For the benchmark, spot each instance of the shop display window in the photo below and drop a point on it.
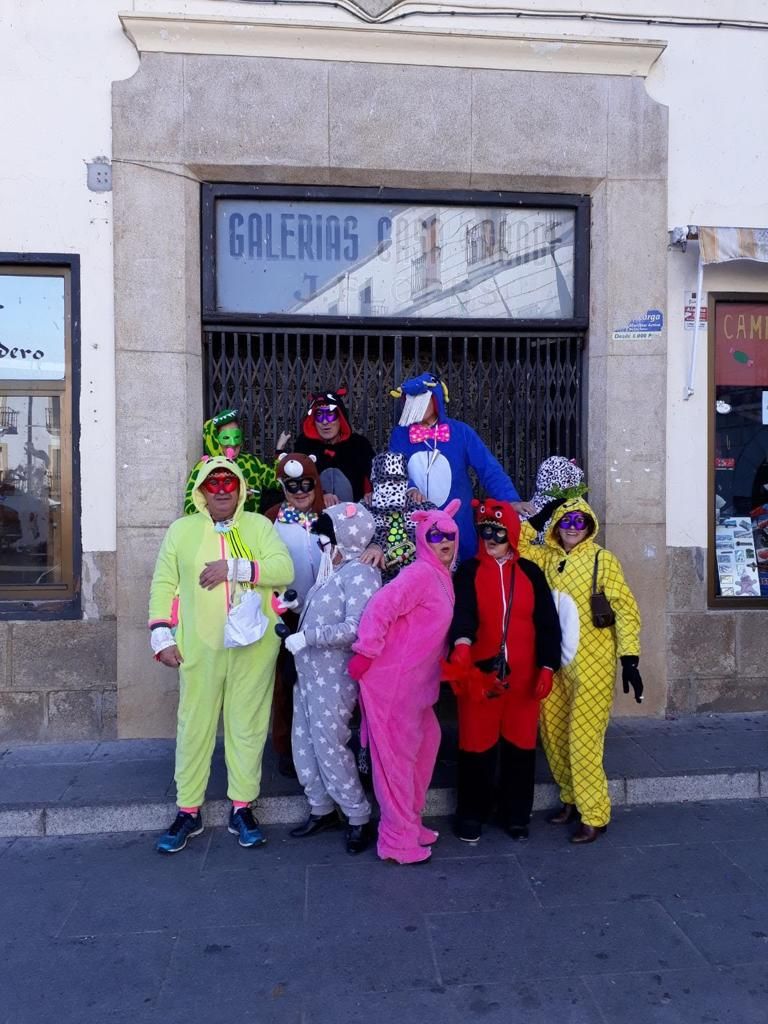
(739, 450)
(37, 507)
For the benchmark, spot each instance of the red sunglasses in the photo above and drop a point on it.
(221, 484)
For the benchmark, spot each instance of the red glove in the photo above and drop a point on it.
(358, 666)
(543, 685)
(461, 656)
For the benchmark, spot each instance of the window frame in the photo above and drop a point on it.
(714, 600)
(579, 204)
(62, 600)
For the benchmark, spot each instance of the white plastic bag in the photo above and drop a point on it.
(246, 622)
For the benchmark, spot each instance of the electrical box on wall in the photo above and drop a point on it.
(99, 175)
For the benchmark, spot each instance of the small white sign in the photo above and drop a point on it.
(689, 312)
(765, 408)
(32, 327)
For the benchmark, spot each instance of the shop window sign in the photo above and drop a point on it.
(326, 258)
(32, 328)
(740, 456)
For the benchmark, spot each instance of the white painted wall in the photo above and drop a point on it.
(57, 61)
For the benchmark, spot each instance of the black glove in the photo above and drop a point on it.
(539, 520)
(631, 677)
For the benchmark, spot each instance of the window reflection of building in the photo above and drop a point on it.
(425, 269)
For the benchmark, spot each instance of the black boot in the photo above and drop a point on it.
(358, 838)
(316, 823)
(516, 784)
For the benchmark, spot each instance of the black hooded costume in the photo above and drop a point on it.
(350, 454)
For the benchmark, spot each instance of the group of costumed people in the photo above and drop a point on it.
(368, 581)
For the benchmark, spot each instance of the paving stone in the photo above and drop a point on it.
(133, 750)
(355, 952)
(462, 884)
(128, 816)
(654, 824)
(151, 900)
(705, 749)
(625, 757)
(114, 781)
(729, 930)
(570, 878)
(86, 975)
(679, 788)
(727, 996)
(39, 909)
(565, 1001)
(50, 753)
(22, 821)
(88, 858)
(34, 784)
(749, 855)
(414, 1006)
(557, 942)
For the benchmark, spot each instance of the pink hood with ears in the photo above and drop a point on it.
(441, 519)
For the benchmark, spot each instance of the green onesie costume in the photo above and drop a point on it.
(239, 679)
(259, 476)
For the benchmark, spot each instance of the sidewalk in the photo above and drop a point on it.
(127, 785)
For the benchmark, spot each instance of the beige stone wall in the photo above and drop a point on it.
(183, 119)
(58, 680)
(717, 659)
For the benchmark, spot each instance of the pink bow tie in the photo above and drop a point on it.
(417, 433)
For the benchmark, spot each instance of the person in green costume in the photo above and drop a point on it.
(211, 560)
(223, 435)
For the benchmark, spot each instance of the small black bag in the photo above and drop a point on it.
(603, 615)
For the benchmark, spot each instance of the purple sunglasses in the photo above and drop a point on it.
(435, 536)
(573, 521)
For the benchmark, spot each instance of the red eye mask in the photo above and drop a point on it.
(221, 484)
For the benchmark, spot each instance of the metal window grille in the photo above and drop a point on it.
(521, 393)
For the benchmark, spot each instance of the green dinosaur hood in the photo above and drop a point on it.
(208, 467)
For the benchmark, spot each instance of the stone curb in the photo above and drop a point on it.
(148, 816)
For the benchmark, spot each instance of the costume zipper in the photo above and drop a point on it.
(500, 566)
(226, 582)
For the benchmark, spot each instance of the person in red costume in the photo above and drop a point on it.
(401, 638)
(506, 647)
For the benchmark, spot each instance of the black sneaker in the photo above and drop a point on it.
(184, 827)
(468, 830)
(517, 832)
(243, 825)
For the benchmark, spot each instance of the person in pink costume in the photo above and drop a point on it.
(401, 638)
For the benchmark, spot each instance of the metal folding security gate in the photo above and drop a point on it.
(521, 393)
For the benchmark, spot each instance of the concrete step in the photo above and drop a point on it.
(127, 785)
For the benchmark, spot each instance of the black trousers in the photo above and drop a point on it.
(479, 792)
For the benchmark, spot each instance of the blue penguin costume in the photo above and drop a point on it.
(439, 458)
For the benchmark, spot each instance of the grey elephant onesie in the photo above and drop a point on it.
(325, 695)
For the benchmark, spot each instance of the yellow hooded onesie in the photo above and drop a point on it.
(574, 717)
(239, 679)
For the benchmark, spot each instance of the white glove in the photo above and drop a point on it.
(160, 638)
(240, 569)
(295, 642)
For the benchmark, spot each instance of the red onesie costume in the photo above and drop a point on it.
(505, 609)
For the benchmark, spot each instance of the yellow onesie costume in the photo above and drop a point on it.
(574, 717)
(239, 679)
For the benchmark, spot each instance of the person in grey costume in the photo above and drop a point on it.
(325, 696)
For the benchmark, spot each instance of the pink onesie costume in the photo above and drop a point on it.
(404, 632)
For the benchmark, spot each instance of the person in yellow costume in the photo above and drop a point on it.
(574, 718)
(212, 560)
